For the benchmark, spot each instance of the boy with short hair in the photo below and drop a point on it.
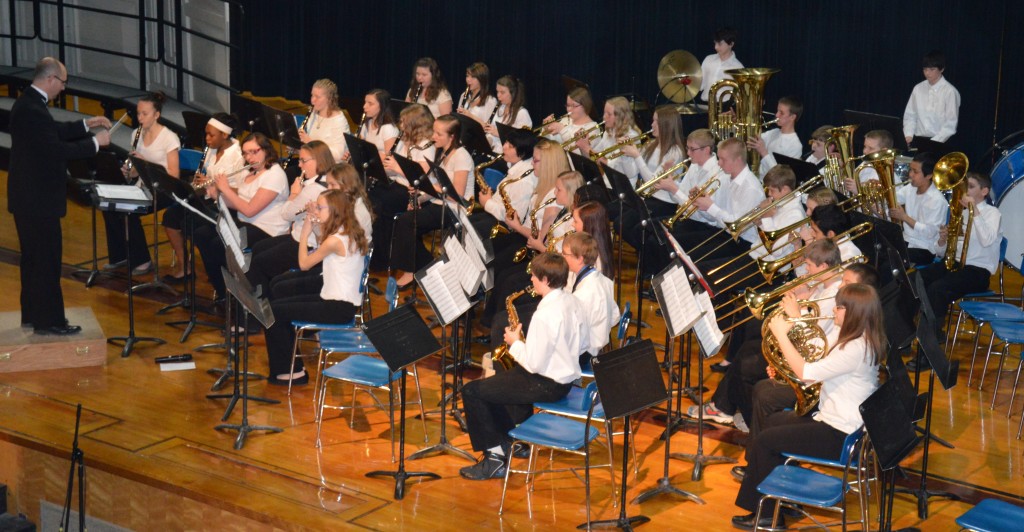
(714, 66)
(923, 209)
(595, 292)
(875, 141)
(783, 139)
(934, 106)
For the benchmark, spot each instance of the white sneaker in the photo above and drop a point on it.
(487, 365)
(711, 413)
(737, 420)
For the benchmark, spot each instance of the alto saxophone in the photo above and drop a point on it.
(501, 355)
(551, 239)
(522, 252)
(510, 210)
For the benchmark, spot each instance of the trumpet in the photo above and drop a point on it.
(541, 127)
(646, 190)
(201, 184)
(583, 133)
(686, 210)
(610, 153)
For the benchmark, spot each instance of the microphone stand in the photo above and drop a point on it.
(77, 464)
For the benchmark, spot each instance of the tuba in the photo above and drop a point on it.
(810, 340)
(747, 86)
(950, 175)
(501, 355)
(840, 166)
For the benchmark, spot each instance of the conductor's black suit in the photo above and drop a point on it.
(36, 196)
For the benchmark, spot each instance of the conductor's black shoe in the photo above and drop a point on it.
(746, 522)
(58, 330)
(491, 466)
(738, 472)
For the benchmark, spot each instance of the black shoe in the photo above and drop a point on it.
(405, 287)
(170, 279)
(112, 266)
(913, 366)
(297, 381)
(58, 330)
(491, 466)
(746, 522)
(521, 451)
(737, 472)
(718, 367)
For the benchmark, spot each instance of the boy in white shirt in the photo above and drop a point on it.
(934, 106)
(923, 209)
(782, 140)
(714, 66)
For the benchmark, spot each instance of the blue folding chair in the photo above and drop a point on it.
(366, 373)
(188, 160)
(1010, 333)
(794, 485)
(851, 454)
(493, 177)
(992, 515)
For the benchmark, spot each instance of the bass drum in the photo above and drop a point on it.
(1009, 197)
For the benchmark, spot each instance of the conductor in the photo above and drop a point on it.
(36, 193)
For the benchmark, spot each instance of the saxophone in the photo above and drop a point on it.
(522, 252)
(510, 211)
(501, 354)
(551, 239)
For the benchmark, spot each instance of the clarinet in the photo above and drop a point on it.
(463, 100)
(135, 143)
(202, 161)
(494, 113)
(419, 91)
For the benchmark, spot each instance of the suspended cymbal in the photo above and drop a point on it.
(679, 76)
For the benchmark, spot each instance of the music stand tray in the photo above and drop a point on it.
(281, 125)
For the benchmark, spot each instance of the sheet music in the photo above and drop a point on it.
(440, 283)
(225, 215)
(471, 233)
(686, 260)
(677, 301)
(708, 333)
(475, 258)
(468, 274)
(121, 192)
(231, 242)
(184, 203)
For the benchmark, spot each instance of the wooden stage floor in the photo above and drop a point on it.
(155, 460)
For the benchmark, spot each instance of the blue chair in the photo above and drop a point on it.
(991, 515)
(851, 454)
(555, 433)
(188, 160)
(794, 485)
(576, 405)
(971, 301)
(366, 373)
(308, 331)
(1010, 333)
(492, 177)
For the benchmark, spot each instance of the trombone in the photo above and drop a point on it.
(646, 190)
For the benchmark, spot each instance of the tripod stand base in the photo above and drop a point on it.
(695, 394)
(234, 399)
(665, 487)
(92, 276)
(400, 477)
(675, 424)
(622, 523)
(224, 375)
(190, 325)
(130, 341)
(441, 448)
(934, 438)
(243, 431)
(156, 284)
(701, 460)
(922, 498)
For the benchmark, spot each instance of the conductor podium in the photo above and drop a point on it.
(21, 350)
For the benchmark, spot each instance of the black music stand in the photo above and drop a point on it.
(628, 381)
(252, 304)
(189, 301)
(869, 121)
(104, 168)
(474, 139)
(947, 371)
(402, 339)
(668, 299)
(281, 125)
(250, 113)
(195, 129)
(572, 83)
(77, 464)
(443, 445)
(804, 170)
(415, 176)
(126, 207)
(590, 171)
(892, 435)
(924, 144)
(154, 175)
(366, 159)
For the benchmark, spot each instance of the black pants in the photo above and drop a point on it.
(769, 398)
(272, 257)
(294, 283)
(118, 247)
(789, 433)
(736, 387)
(944, 287)
(211, 249)
(920, 256)
(497, 404)
(408, 252)
(41, 243)
(281, 336)
(387, 202)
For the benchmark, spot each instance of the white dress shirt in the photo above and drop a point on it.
(519, 191)
(713, 69)
(521, 120)
(331, 131)
(596, 294)
(627, 165)
(294, 210)
(695, 177)
(786, 215)
(776, 141)
(742, 194)
(986, 235)
(269, 220)
(928, 210)
(570, 131)
(932, 111)
(558, 336)
(847, 376)
(656, 164)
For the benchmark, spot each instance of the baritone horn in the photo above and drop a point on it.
(746, 88)
(839, 166)
(878, 197)
(950, 174)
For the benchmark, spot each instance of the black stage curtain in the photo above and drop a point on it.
(833, 55)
